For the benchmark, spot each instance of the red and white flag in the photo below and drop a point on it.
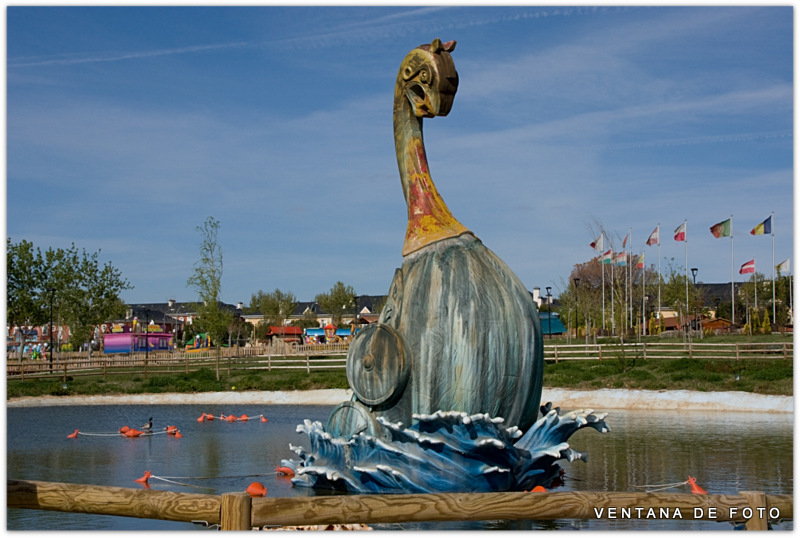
(749, 267)
(597, 244)
(653, 239)
(625, 241)
(680, 232)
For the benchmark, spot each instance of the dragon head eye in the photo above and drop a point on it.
(424, 76)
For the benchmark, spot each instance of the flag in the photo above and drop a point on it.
(640, 261)
(784, 266)
(722, 229)
(606, 258)
(680, 232)
(624, 241)
(653, 239)
(597, 244)
(764, 228)
(749, 267)
(619, 259)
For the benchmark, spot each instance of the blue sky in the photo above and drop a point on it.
(127, 127)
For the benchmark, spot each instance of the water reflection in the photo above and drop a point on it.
(726, 452)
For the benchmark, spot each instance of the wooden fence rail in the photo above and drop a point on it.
(310, 357)
(667, 350)
(238, 511)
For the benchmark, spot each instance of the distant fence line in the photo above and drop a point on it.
(668, 350)
(238, 511)
(304, 357)
(328, 356)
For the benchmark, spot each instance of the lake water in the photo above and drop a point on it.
(726, 452)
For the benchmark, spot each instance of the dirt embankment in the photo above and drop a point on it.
(566, 399)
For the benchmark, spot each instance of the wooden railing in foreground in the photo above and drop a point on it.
(238, 511)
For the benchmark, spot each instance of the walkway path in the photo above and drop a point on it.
(566, 399)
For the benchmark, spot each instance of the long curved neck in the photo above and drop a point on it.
(429, 219)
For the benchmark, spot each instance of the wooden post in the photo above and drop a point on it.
(308, 364)
(235, 512)
(105, 363)
(757, 500)
(644, 350)
(65, 371)
(555, 349)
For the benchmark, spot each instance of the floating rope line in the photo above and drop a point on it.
(216, 477)
(178, 483)
(208, 417)
(128, 432)
(660, 487)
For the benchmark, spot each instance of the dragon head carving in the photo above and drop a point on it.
(428, 79)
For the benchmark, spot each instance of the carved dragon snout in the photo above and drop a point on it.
(430, 79)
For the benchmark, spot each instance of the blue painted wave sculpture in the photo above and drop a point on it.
(446, 451)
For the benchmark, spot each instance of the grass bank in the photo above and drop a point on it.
(758, 376)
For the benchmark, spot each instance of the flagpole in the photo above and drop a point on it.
(772, 227)
(733, 297)
(686, 258)
(629, 305)
(613, 323)
(755, 295)
(643, 275)
(659, 276)
(603, 283)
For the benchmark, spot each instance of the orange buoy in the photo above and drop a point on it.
(231, 418)
(209, 416)
(538, 489)
(171, 430)
(256, 489)
(284, 471)
(73, 435)
(264, 419)
(124, 429)
(178, 435)
(695, 488)
(132, 432)
(202, 418)
(244, 418)
(145, 478)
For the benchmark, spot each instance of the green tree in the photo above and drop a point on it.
(275, 307)
(766, 328)
(339, 301)
(84, 293)
(206, 279)
(26, 299)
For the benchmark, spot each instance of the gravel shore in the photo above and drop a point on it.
(566, 399)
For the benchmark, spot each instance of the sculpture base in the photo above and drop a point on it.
(446, 451)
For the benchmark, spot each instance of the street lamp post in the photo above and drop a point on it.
(694, 282)
(52, 293)
(549, 333)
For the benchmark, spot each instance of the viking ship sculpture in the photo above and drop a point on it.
(457, 348)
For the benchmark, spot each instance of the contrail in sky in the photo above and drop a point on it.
(382, 26)
(123, 56)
